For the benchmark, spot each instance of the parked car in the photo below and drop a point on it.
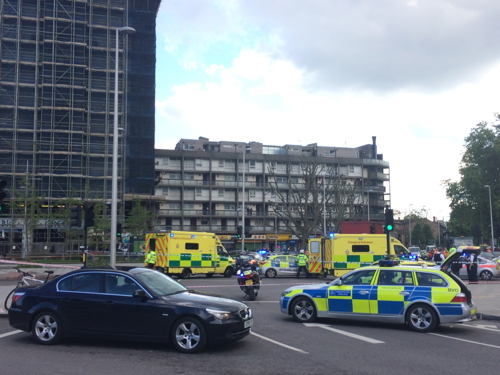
(139, 304)
(486, 268)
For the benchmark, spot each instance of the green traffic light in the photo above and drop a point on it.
(389, 227)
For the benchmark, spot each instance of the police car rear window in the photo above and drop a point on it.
(430, 279)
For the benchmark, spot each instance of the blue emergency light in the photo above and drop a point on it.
(388, 262)
(331, 234)
(263, 251)
(171, 234)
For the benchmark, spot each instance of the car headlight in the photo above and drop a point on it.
(285, 293)
(219, 314)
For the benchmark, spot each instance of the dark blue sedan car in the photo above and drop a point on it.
(139, 304)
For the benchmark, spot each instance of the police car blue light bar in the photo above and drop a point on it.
(388, 262)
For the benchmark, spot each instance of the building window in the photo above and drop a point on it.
(165, 191)
(188, 146)
(174, 206)
(251, 194)
(221, 163)
(204, 222)
(281, 179)
(188, 206)
(229, 177)
(199, 162)
(229, 207)
(252, 164)
(189, 176)
(198, 192)
(174, 176)
(350, 168)
(220, 192)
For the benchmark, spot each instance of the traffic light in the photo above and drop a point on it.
(3, 194)
(76, 216)
(239, 231)
(389, 219)
(118, 230)
(372, 229)
(89, 216)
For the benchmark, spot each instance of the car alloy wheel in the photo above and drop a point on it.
(421, 318)
(47, 329)
(486, 275)
(303, 310)
(189, 335)
(271, 272)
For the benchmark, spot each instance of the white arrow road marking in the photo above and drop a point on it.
(279, 343)
(9, 333)
(472, 342)
(483, 326)
(353, 335)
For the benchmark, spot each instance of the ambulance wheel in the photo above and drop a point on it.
(189, 335)
(209, 275)
(486, 275)
(303, 310)
(185, 273)
(421, 318)
(228, 272)
(271, 272)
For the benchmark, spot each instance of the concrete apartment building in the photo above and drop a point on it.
(199, 185)
(57, 69)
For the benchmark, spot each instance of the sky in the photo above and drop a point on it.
(418, 75)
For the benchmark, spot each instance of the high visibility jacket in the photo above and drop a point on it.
(150, 258)
(302, 260)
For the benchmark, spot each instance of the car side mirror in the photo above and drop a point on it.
(139, 293)
(337, 281)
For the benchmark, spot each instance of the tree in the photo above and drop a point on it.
(137, 223)
(303, 193)
(479, 167)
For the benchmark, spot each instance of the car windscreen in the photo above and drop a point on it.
(157, 282)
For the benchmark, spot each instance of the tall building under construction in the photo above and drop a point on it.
(57, 79)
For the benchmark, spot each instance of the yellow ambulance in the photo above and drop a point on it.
(185, 253)
(342, 253)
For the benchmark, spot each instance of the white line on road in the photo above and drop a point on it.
(9, 333)
(482, 326)
(279, 343)
(472, 342)
(353, 335)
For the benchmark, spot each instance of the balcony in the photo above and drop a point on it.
(378, 176)
(376, 162)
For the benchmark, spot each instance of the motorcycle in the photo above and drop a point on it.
(249, 279)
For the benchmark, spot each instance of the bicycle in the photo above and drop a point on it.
(24, 282)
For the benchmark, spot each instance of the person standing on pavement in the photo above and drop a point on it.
(302, 260)
(150, 260)
(472, 268)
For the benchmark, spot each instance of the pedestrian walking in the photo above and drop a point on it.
(150, 260)
(302, 260)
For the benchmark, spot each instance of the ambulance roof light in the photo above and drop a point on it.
(171, 234)
(331, 234)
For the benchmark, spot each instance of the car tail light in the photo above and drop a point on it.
(16, 296)
(460, 297)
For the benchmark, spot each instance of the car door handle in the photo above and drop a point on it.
(364, 292)
(403, 293)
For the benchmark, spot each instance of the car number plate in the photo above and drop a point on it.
(248, 323)
(249, 282)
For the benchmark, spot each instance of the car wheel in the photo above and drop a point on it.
(303, 310)
(486, 275)
(228, 272)
(421, 318)
(189, 335)
(185, 274)
(271, 272)
(47, 328)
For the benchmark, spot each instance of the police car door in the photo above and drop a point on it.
(353, 296)
(393, 289)
(292, 265)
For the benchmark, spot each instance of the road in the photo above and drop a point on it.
(277, 345)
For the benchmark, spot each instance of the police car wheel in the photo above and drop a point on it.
(189, 335)
(303, 310)
(421, 318)
(271, 272)
(486, 275)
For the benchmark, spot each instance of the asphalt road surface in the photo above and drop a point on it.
(277, 345)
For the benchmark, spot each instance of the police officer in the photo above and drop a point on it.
(438, 256)
(150, 260)
(472, 268)
(302, 260)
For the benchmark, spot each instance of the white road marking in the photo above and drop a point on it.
(353, 335)
(482, 326)
(278, 343)
(9, 333)
(469, 341)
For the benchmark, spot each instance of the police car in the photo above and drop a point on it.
(279, 265)
(421, 297)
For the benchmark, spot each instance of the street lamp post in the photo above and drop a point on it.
(275, 233)
(324, 207)
(409, 222)
(439, 230)
(369, 191)
(245, 149)
(114, 177)
(491, 219)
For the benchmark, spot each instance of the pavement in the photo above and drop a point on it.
(484, 294)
